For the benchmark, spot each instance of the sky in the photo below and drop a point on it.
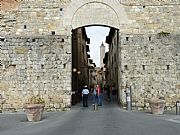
(97, 35)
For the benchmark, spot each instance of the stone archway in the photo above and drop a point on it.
(34, 57)
(94, 14)
(100, 12)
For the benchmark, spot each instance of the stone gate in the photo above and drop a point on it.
(35, 53)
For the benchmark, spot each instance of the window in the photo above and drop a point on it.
(143, 67)
(127, 38)
(53, 32)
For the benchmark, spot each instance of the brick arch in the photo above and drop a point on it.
(95, 12)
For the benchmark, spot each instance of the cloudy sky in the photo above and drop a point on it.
(97, 35)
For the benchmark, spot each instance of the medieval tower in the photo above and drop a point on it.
(102, 54)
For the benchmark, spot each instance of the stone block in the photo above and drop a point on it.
(21, 50)
(177, 86)
(57, 105)
(4, 87)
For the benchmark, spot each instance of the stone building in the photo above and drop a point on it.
(80, 63)
(95, 76)
(36, 48)
(112, 59)
(92, 74)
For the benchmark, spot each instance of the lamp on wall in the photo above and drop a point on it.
(74, 70)
(78, 72)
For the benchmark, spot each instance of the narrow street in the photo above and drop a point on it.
(108, 120)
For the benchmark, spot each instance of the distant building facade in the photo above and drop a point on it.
(80, 59)
(112, 60)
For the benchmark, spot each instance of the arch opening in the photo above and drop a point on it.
(87, 14)
(85, 69)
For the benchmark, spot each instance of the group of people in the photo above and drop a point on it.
(97, 94)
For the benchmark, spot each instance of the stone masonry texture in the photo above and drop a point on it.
(150, 65)
(35, 47)
(35, 65)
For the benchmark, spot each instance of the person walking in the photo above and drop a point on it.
(94, 93)
(85, 93)
(99, 93)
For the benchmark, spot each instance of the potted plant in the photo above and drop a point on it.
(157, 105)
(34, 108)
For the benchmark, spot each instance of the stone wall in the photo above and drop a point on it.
(152, 17)
(149, 2)
(34, 17)
(36, 65)
(32, 61)
(151, 66)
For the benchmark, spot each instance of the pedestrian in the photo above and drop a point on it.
(100, 98)
(99, 93)
(85, 93)
(95, 96)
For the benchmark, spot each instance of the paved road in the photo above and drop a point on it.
(108, 120)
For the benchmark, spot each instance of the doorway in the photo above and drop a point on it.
(85, 71)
